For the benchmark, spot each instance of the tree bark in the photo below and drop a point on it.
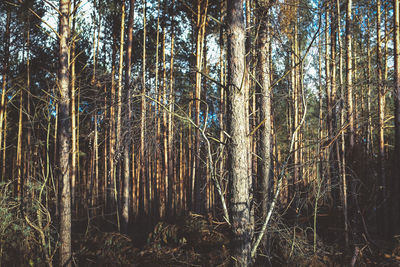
(64, 135)
(142, 160)
(73, 116)
(381, 114)
(265, 174)
(350, 112)
(3, 108)
(238, 144)
(171, 103)
(127, 142)
(396, 178)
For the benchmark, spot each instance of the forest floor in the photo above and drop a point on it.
(195, 240)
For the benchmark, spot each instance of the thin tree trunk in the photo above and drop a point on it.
(27, 160)
(381, 114)
(144, 187)
(350, 112)
(171, 100)
(64, 134)
(3, 108)
(19, 144)
(370, 135)
(164, 187)
(128, 91)
(119, 109)
(112, 180)
(328, 92)
(265, 113)
(3, 171)
(73, 115)
(396, 189)
(158, 115)
(334, 164)
(222, 99)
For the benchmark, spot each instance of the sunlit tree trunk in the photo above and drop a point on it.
(119, 108)
(112, 128)
(349, 72)
(127, 142)
(396, 178)
(321, 112)
(381, 114)
(3, 171)
(350, 112)
(164, 186)
(328, 90)
(200, 35)
(64, 135)
(171, 101)
(334, 164)
(28, 159)
(20, 172)
(238, 144)
(3, 107)
(73, 115)
(158, 92)
(142, 160)
(384, 89)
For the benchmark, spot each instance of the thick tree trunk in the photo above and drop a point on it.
(64, 135)
(238, 144)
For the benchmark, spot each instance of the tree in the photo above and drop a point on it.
(238, 145)
(3, 109)
(265, 172)
(397, 111)
(381, 113)
(64, 135)
(128, 92)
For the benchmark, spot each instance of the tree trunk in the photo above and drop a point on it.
(164, 186)
(397, 111)
(64, 134)
(157, 151)
(144, 182)
(3, 107)
(112, 180)
(381, 114)
(238, 144)
(265, 174)
(127, 142)
(171, 100)
(73, 116)
(350, 112)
